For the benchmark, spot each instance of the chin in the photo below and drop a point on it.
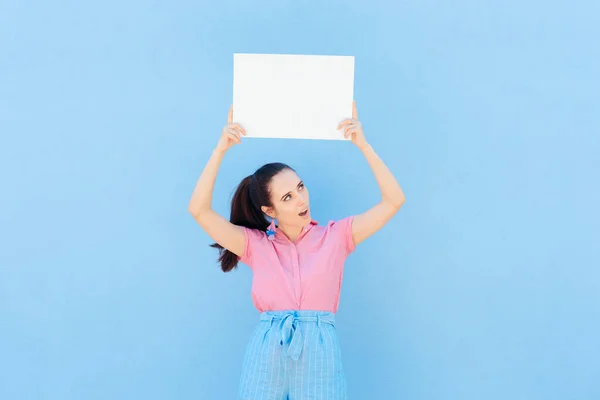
(307, 217)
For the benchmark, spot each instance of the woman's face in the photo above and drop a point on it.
(290, 199)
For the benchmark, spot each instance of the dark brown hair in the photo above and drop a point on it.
(251, 194)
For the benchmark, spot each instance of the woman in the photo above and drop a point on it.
(297, 267)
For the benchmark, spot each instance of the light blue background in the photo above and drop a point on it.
(486, 285)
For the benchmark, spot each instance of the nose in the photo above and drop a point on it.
(302, 201)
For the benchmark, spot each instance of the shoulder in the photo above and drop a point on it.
(254, 234)
(340, 223)
(255, 242)
(341, 230)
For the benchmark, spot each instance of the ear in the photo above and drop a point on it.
(268, 211)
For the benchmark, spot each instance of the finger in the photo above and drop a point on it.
(349, 132)
(238, 127)
(238, 136)
(351, 128)
(235, 137)
(347, 122)
(353, 124)
(230, 116)
(344, 123)
(235, 131)
(354, 112)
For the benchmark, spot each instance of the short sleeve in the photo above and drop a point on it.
(343, 229)
(254, 242)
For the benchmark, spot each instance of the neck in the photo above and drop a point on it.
(291, 231)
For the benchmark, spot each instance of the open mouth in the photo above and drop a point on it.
(303, 213)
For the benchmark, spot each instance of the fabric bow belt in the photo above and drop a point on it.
(291, 333)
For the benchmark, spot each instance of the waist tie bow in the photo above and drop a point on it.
(291, 333)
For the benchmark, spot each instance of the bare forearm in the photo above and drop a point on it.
(390, 189)
(201, 199)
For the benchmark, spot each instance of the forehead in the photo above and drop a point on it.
(284, 182)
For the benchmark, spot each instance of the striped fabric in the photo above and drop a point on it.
(293, 355)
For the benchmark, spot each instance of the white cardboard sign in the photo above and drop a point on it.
(292, 96)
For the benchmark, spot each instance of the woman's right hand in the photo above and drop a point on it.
(231, 134)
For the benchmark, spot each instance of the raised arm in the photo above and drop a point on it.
(392, 197)
(222, 231)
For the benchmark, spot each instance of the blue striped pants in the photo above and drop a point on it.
(293, 355)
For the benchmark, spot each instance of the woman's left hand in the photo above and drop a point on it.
(353, 129)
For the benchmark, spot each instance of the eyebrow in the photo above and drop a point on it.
(301, 182)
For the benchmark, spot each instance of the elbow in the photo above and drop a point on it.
(197, 212)
(401, 201)
(192, 209)
(397, 202)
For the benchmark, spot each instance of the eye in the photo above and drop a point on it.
(286, 198)
(301, 186)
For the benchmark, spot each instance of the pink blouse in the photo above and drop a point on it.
(305, 275)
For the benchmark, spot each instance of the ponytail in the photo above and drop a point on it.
(252, 193)
(243, 213)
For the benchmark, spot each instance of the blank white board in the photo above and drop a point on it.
(292, 96)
